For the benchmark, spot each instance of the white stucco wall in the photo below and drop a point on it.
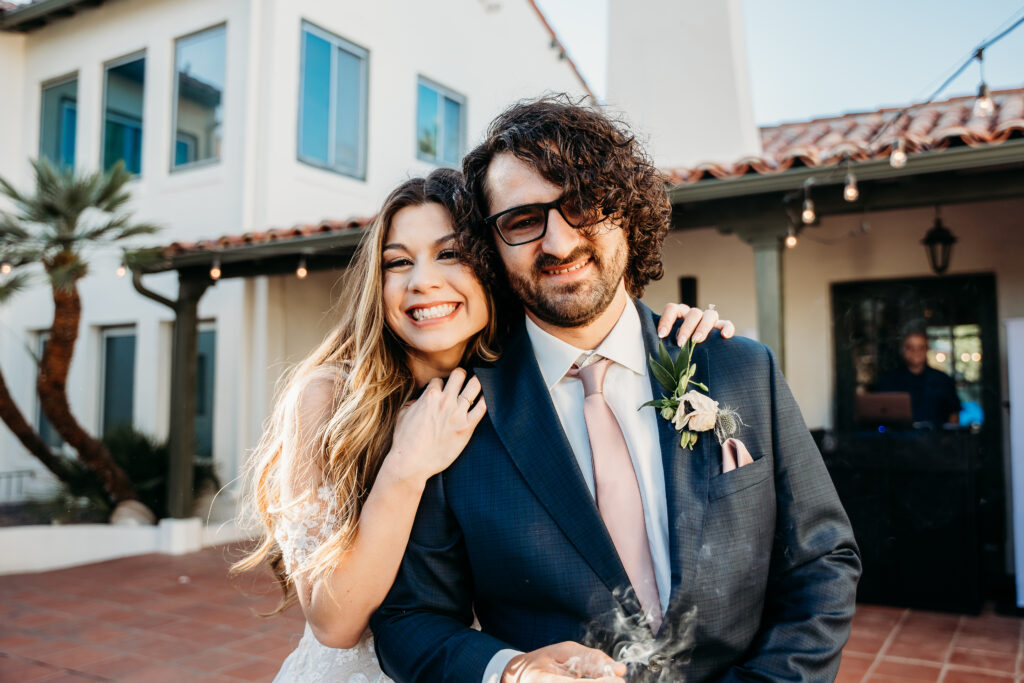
(678, 69)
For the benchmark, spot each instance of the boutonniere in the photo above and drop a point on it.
(687, 409)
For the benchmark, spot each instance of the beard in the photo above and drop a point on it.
(574, 304)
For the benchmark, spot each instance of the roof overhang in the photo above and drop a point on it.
(962, 174)
(322, 251)
(42, 12)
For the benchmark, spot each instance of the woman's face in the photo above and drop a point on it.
(432, 301)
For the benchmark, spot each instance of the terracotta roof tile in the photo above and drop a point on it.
(272, 235)
(829, 141)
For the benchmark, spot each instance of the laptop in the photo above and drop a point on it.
(891, 408)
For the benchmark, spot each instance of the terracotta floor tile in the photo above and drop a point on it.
(991, 661)
(934, 651)
(75, 657)
(908, 671)
(852, 667)
(1002, 643)
(255, 670)
(23, 670)
(865, 643)
(974, 676)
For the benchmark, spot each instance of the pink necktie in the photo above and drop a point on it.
(616, 489)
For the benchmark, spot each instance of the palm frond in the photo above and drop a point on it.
(13, 284)
(66, 275)
(69, 212)
(136, 230)
(9, 190)
(10, 229)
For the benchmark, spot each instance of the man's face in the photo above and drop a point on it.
(569, 276)
(915, 352)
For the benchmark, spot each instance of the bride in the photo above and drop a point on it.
(337, 477)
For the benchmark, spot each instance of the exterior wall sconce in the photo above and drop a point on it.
(938, 242)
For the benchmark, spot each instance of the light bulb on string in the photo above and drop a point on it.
(122, 269)
(984, 106)
(301, 272)
(898, 157)
(215, 272)
(6, 267)
(808, 215)
(850, 191)
(791, 238)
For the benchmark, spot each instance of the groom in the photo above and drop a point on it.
(574, 517)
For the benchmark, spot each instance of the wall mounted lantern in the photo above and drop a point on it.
(938, 242)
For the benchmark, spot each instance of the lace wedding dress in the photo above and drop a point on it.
(303, 523)
(300, 530)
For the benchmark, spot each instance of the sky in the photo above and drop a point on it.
(810, 58)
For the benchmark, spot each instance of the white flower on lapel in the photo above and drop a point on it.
(690, 412)
(696, 412)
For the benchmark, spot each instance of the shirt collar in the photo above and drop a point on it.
(624, 345)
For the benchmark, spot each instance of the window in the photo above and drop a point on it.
(199, 93)
(332, 102)
(124, 88)
(59, 114)
(118, 378)
(43, 426)
(440, 124)
(206, 365)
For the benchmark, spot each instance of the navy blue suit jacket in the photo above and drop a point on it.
(764, 564)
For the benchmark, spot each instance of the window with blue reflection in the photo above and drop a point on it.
(59, 118)
(440, 124)
(199, 96)
(124, 91)
(332, 102)
(118, 378)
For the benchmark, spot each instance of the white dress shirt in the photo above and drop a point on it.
(626, 388)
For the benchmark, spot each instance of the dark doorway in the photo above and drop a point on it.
(899, 489)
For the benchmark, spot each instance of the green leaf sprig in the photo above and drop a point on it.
(675, 377)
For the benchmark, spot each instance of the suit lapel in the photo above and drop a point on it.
(686, 475)
(525, 420)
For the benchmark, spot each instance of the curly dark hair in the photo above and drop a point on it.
(592, 157)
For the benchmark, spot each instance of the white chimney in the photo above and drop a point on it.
(677, 69)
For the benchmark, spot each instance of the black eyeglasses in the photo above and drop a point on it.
(529, 222)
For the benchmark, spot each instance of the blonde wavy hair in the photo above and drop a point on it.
(373, 385)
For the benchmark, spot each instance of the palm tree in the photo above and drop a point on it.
(68, 214)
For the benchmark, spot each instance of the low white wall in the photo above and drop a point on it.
(42, 548)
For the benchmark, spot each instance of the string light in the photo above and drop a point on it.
(850, 192)
(301, 271)
(791, 238)
(983, 106)
(898, 158)
(215, 272)
(6, 267)
(122, 269)
(808, 216)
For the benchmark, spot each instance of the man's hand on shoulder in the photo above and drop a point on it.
(560, 662)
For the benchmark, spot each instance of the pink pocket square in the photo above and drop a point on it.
(734, 455)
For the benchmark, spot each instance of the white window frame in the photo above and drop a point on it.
(113, 64)
(363, 54)
(442, 92)
(105, 333)
(223, 28)
(52, 83)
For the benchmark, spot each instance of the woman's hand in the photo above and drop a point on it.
(696, 323)
(431, 432)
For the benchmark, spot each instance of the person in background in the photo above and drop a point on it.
(932, 392)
